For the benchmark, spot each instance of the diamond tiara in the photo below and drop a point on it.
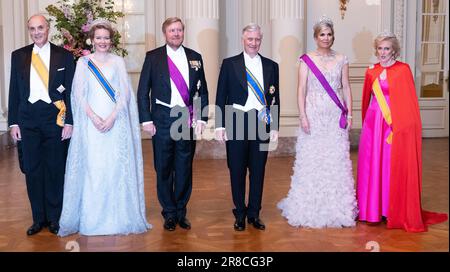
(324, 20)
(101, 21)
(386, 34)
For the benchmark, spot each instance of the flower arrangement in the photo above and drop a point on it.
(73, 21)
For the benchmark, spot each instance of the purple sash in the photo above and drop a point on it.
(181, 85)
(327, 87)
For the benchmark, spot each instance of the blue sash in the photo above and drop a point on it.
(102, 80)
(256, 88)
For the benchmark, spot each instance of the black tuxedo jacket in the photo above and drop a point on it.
(232, 86)
(61, 71)
(154, 82)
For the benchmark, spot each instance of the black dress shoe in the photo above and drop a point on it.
(53, 227)
(184, 223)
(239, 224)
(169, 224)
(257, 223)
(35, 228)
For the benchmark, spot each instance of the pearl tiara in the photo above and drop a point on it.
(324, 20)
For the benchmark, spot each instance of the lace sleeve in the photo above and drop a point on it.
(300, 60)
(344, 60)
(125, 88)
(79, 87)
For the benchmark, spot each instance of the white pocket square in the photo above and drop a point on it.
(60, 88)
(61, 69)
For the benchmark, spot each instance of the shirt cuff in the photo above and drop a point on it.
(146, 123)
(15, 125)
(219, 128)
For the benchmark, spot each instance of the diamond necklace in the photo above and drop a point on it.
(326, 58)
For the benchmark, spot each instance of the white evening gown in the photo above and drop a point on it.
(322, 190)
(104, 183)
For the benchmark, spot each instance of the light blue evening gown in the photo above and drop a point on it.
(104, 183)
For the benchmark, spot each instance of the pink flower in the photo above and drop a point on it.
(67, 47)
(85, 28)
(67, 35)
(89, 16)
(67, 12)
(85, 52)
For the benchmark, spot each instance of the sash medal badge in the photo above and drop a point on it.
(199, 84)
(272, 90)
(195, 64)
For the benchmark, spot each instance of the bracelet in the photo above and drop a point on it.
(349, 117)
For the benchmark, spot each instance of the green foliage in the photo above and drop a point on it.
(73, 21)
